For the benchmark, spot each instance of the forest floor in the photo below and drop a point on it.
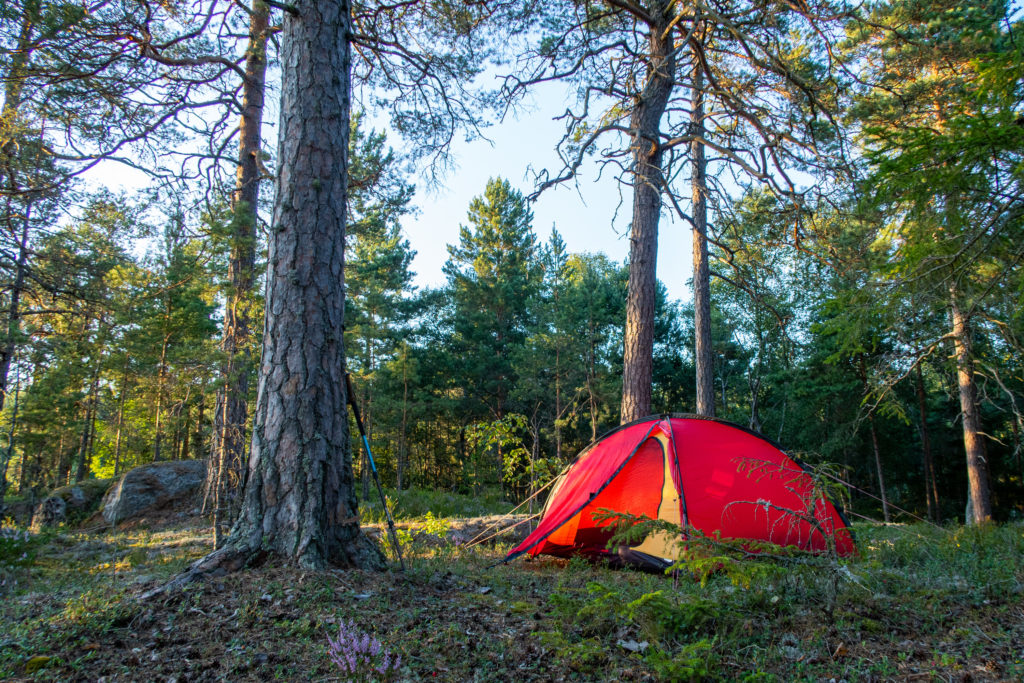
(920, 603)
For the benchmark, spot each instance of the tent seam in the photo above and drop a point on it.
(593, 495)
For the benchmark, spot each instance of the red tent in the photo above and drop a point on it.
(698, 472)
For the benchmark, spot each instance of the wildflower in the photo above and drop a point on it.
(360, 656)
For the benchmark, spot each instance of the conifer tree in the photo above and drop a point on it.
(939, 129)
(493, 274)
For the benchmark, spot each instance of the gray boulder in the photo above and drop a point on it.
(70, 504)
(52, 512)
(152, 486)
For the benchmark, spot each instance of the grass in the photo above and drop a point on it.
(919, 603)
(414, 504)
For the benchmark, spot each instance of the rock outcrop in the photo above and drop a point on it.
(70, 504)
(152, 486)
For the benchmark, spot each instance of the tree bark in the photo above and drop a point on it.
(63, 459)
(878, 469)
(702, 352)
(13, 330)
(402, 454)
(82, 468)
(645, 125)
(8, 125)
(161, 373)
(592, 380)
(299, 497)
(120, 416)
(364, 469)
(979, 491)
(931, 492)
(231, 407)
(5, 458)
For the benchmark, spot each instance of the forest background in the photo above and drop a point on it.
(863, 199)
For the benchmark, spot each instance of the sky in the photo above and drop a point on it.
(592, 214)
(584, 213)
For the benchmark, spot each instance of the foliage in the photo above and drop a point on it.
(17, 546)
(416, 503)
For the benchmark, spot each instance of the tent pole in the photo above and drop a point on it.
(350, 393)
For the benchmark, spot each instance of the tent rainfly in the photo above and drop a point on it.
(701, 473)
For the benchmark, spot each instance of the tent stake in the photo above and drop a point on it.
(373, 467)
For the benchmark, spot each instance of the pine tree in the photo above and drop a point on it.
(493, 275)
(939, 132)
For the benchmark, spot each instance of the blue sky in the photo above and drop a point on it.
(584, 213)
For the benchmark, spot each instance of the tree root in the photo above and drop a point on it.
(363, 553)
(225, 560)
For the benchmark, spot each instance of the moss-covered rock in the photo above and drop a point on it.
(70, 504)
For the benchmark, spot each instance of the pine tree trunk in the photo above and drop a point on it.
(14, 84)
(186, 434)
(5, 458)
(82, 470)
(231, 406)
(299, 496)
(12, 332)
(558, 406)
(403, 444)
(645, 126)
(63, 461)
(931, 492)
(364, 470)
(878, 469)
(979, 492)
(592, 381)
(161, 373)
(702, 352)
(26, 473)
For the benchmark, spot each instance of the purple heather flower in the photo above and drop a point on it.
(357, 653)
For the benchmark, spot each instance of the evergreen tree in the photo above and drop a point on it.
(493, 274)
(939, 131)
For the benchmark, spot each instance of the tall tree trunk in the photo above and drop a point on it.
(645, 127)
(5, 458)
(702, 352)
(299, 497)
(17, 223)
(13, 328)
(979, 491)
(558, 405)
(931, 492)
(224, 473)
(402, 446)
(120, 416)
(863, 372)
(183, 454)
(63, 459)
(82, 470)
(364, 470)
(878, 469)
(14, 85)
(27, 473)
(14, 81)
(592, 381)
(161, 373)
